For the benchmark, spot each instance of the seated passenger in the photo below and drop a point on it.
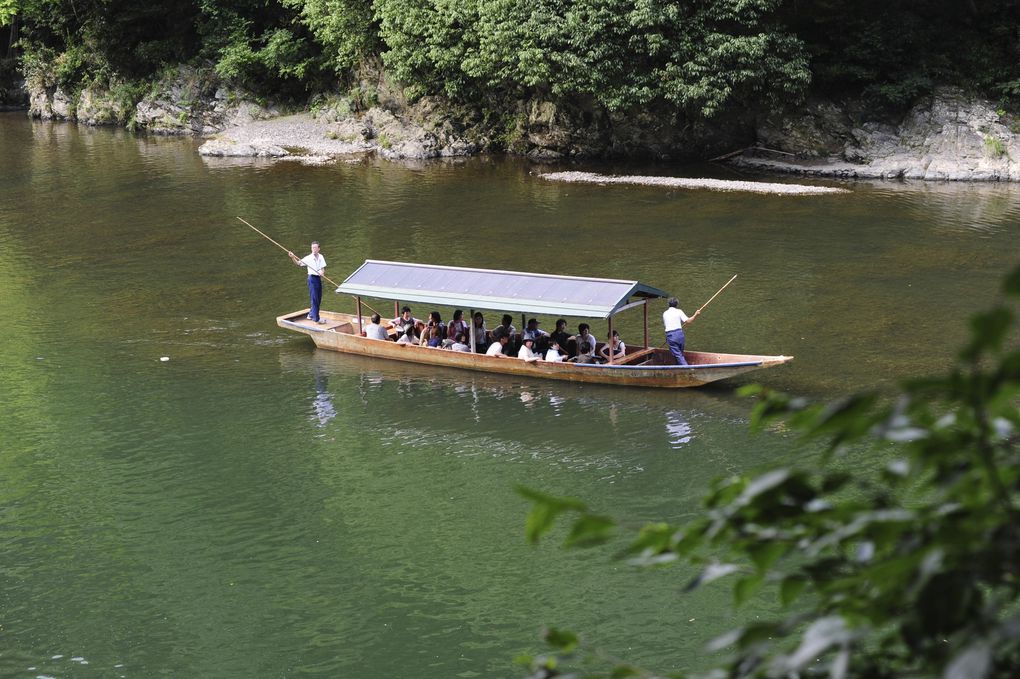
(437, 325)
(507, 326)
(481, 333)
(496, 348)
(526, 353)
(375, 331)
(430, 336)
(404, 319)
(618, 347)
(460, 344)
(457, 325)
(583, 337)
(584, 354)
(554, 355)
(559, 335)
(540, 336)
(408, 337)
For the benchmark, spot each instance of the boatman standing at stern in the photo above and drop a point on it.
(316, 264)
(673, 319)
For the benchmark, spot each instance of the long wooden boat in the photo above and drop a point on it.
(545, 294)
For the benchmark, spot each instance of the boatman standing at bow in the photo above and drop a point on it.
(316, 264)
(673, 319)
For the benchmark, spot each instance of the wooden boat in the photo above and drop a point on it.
(642, 365)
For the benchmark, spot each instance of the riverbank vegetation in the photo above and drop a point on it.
(694, 60)
(909, 570)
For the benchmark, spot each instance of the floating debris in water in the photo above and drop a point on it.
(164, 358)
(691, 183)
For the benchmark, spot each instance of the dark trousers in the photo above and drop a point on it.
(675, 339)
(315, 294)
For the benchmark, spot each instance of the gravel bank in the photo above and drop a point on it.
(296, 136)
(684, 183)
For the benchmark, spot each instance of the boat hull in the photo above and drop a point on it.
(340, 333)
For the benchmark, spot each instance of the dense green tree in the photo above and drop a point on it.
(891, 51)
(345, 28)
(910, 570)
(698, 56)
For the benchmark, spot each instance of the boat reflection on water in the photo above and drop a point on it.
(464, 411)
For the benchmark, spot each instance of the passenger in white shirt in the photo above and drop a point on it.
(408, 337)
(673, 320)
(583, 337)
(554, 355)
(460, 344)
(375, 331)
(526, 354)
(496, 348)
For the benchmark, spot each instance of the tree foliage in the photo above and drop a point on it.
(908, 571)
(697, 58)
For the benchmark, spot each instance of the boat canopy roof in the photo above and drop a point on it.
(490, 289)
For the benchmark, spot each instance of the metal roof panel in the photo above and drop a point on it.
(493, 289)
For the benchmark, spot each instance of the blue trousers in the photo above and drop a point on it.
(675, 339)
(315, 294)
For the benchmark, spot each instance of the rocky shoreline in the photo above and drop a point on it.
(947, 137)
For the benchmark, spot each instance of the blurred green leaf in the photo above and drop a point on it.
(563, 640)
(745, 587)
(591, 530)
(544, 510)
(790, 589)
(1012, 283)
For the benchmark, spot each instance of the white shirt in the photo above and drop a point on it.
(553, 356)
(315, 264)
(673, 318)
(534, 334)
(527, 354)
(590, 339)
(495, 349)
(376, 331)
(404, 339)
(457, 346)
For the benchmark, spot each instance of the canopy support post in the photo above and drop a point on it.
(609, 341)
(361, 328)
(646, 322)
(396, 309)
(471, 315)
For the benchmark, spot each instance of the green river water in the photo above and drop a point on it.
(256, 508)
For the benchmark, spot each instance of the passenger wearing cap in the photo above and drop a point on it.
(554, 355)
(526, 353)
(541, 337)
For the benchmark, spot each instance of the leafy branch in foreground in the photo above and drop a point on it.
(909, 570)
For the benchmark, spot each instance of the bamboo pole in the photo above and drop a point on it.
(287, 251)
(716, 294)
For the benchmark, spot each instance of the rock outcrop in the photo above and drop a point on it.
(946, 137)
(185, 101)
